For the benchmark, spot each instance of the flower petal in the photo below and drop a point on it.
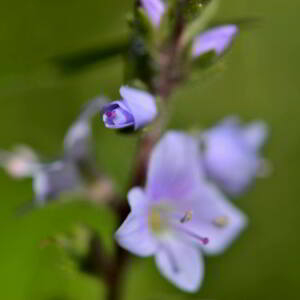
(255, 134)
(141, 105)
(154, 9)
(181, 263)
(134, 236)
(217, 39)
(77, 140)
(228, 159)
(137, 200)
(214, 218)
(53, 179)
(174, 171)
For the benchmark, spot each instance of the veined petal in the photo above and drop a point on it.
(141, 105)
(154, 9)
(173, 169)
(180, 263)
(217, 39)
(134, 236)
(215, 218)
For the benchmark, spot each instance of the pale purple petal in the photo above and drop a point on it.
(214, 218)
(255, 135)
(134, 235)
(228, 158)
(137, 200)
(217, 39)
(173, 170)
(141, 105)
(51, 180)
(154, 9)
(181, 264)
(77, 141)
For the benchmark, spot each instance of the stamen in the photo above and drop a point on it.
(111, 114)
(187, 217)
(221, 221)
(203, 240)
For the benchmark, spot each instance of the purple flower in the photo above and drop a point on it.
(177, 213)
(137, 109)
(231, 153)
(217, 39)
(154, 9)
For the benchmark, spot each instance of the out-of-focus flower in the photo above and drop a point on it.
(53, 179)
(71, 173)
(78, 144)
(217, 39)
(154, 9)
(20, 163)
(231, 153)
(137, 110)
(177, 213)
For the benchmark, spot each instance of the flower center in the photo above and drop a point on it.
(163, 218)
(156, 220)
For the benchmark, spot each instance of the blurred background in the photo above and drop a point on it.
(39, 102)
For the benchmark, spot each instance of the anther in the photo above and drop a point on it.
(187, 217)
(221, 221)
(111, 114)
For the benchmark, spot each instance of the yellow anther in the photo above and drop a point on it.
(221, 221)
(187, 217)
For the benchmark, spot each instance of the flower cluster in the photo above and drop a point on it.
(182, 211)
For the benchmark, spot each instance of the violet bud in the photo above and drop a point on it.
(216, 39)
(137, 109)
(154, 9)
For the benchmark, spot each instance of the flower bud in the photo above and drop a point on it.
(154, 9)
(217, 39)
(137, 110)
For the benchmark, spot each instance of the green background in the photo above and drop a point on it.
(260, 80)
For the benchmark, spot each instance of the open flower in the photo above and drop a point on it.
(217, 39)
(178, 213)
(154, 9)
(137, 110)
(231, 153)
